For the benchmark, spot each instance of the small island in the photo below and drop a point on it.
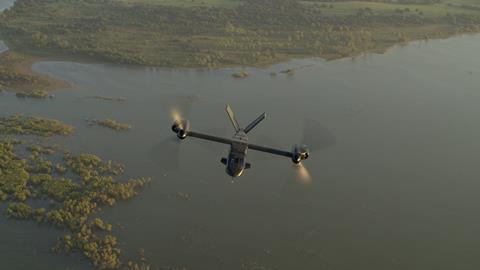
(33, 125)
(240, 75)
(110, 123)
(38, 94)
(289, 71)
(116, 99)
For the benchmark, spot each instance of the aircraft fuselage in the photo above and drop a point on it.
(236, 161)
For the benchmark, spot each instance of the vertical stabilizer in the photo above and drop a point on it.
(234, 121)
(255, 122)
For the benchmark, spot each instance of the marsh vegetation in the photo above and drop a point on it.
(10, 77)
(240, 75)
(110, 123)
(118, 99)
(249, 32)
(48, 186)
(38, 94)
(15, 74)
(38, 126)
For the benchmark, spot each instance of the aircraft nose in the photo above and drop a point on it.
(234, 172)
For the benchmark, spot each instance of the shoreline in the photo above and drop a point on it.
(178, 38)
(24, 67)
(52, 84)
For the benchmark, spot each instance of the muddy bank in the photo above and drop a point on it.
(17, 74)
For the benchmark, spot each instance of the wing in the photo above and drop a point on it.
(209, 137)
(270, 150)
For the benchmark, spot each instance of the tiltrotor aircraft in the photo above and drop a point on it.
(236, 162)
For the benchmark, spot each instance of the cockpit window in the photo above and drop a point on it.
(236, 160)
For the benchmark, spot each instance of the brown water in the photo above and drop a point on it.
(399, 190)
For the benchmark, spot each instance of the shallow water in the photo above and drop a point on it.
(399, 190)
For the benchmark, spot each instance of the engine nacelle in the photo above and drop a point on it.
(299, 153)
(181, 128)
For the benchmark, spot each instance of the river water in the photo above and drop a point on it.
(399, 190)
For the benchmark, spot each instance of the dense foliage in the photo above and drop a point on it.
(255, 32)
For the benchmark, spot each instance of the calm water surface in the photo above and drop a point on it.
(399, 190)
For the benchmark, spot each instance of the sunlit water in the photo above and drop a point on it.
(399, 190)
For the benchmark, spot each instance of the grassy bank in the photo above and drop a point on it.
(219, 33)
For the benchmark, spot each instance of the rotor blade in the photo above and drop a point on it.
(179, 107)
(315, 136)
(303, 175)
(298, 186)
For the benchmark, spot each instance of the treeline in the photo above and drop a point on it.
(417, 2)
(253, 33)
